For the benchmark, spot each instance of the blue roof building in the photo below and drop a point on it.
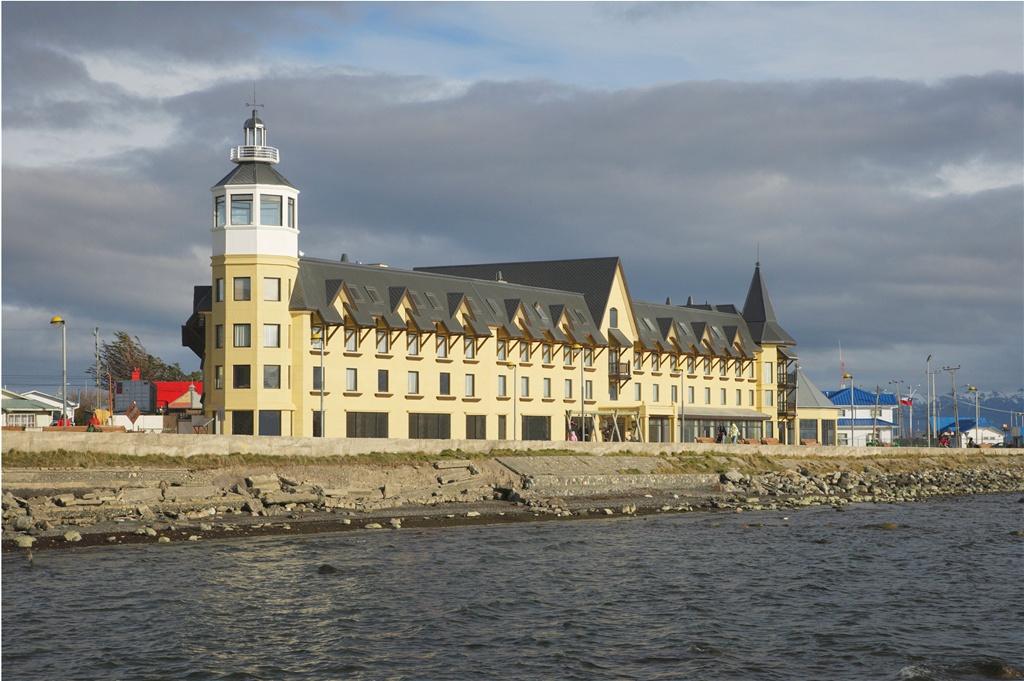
(874, 417)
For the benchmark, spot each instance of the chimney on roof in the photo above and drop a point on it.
(498, 276)
(344, 257)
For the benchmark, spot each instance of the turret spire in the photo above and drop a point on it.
(255, 148)
(760, 315)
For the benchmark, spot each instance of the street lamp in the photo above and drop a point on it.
(977, 415)
(849, 377)
(57, 320)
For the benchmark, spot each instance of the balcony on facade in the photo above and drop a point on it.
(618, 371)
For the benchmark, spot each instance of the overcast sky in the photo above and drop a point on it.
(874, 152)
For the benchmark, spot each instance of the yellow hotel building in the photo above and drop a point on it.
(300, 346)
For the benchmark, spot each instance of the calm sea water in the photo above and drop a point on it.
(822, 595)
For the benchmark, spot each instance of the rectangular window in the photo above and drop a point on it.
(588, 390)
(412, 343)
(750, 369)
(270, 422)
(808, 429)
(568, 389)
(413, 383)
(502, 427)
(318, 378)
(739, 398)
(655, 362)
(638, 391)
(769, 398)
(351, 340)
(382, 380)
(721, 397)
(318, 424)
(270, 210)
(316, 339)
(241, 422)
(241, 209)
(524, 351)
(442, 347)
(430, 426)
(243, 336)
(502, 350)
(272, 376)
(272, 288)
(271, 335)
(220, 290)
(291, 212)
(675, 362)
(638, 361)
(218, 377)
(613, 392)
(476, 427)
(707, 396)
(546, 354)
(524, 386)
(723, 367)
(469, 343)
(366, 424)
(470, 385)
(690, 394)
(242, 376)
(536, 427)
(691, 365)
(243, 288)
(567, 356)
(546, 386)
(383, 342)
(444, 383)
(707, 366)
(351, 380)
(502, 385)
(750, 398)
(675, 394)
(218, 335)
(219, 212)
(768, 373)
(655, 392)
(739, 368)
(588, 357)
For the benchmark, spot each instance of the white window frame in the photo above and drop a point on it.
(412, 383)
(271, 335)
(351, 379)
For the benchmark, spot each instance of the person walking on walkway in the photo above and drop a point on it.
(734, 433)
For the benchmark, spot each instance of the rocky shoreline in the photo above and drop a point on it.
(55, 509)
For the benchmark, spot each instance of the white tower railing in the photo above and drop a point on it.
(254, 153)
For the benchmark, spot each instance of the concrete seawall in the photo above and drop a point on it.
(170, 444)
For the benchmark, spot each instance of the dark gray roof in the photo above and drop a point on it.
(760, 314)
(375, 293)
(590, 276)
(254, 173)
(690, 323)
(808, 395)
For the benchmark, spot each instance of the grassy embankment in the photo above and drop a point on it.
(685, 462)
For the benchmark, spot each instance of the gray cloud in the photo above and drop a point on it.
(873, 201)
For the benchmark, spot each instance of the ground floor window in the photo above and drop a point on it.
(26, 420)
(808, 429)
(828, 432)
(241, 423)
(476, 427)
(658, 429)
(318, 424)
(536, 428)
(430, 426)
(502, 427)
(749, 430)
(270, 422)
(366, 424)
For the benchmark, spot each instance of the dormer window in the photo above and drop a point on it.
(270, 210)
(613, 318)
(241, 209)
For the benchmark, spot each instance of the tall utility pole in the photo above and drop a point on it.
(956, 411)
(96, 335)
(928, 397)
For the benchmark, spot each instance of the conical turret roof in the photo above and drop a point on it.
(760, 315)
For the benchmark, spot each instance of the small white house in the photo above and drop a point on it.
(22, 411)
(983, 433)
(54, 402)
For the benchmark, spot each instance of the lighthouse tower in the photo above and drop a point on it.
(254, 266)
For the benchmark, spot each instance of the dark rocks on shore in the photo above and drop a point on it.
(327, 569)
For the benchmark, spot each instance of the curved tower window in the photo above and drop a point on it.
(613, 318)
(220, 215)
(270, 209)
(241, 209)
(291, 212)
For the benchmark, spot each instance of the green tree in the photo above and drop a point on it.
(125, 353)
